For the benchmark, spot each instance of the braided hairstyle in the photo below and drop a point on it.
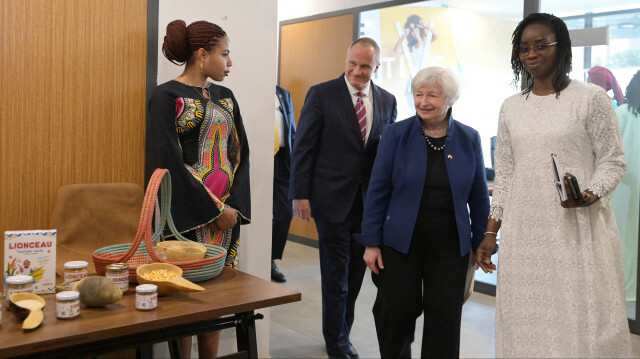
(181, 41)
(633, 94)
(563, 50)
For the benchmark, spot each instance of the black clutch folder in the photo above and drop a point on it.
(573, 186)
(555, 167)
(559, 181)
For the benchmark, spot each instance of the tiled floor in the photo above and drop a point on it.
(296, 328)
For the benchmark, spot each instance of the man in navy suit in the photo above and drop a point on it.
(340, 125)
(282, 211)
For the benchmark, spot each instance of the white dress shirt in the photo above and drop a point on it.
(368, 103)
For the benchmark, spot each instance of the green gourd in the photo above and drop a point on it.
(97, 291)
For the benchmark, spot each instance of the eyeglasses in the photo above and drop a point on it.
(525, 49)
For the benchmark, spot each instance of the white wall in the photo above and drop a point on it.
(252, 28)
(293, 9)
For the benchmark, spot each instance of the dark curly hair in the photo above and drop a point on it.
(415, 20)
(633, 94)
(182, 41)
(563, 50)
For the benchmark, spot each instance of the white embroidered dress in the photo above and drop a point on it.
(560, 278)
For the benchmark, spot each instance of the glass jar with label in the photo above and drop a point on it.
(146, 297)
(67, 304)
(119, 274)
(19, 284)
(75, 270)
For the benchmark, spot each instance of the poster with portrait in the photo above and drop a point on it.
(475, 45)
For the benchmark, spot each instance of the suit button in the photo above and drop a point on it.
(388, 218)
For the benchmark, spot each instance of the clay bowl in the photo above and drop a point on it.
(27, 307)
(166, 286)
(179, 251)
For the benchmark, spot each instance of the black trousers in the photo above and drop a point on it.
(282, 207)
(342, 271)
(423, 280)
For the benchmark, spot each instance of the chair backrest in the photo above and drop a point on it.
(92, 216)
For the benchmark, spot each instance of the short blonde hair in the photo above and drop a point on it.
(441, 76)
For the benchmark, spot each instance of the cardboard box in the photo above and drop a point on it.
(32, 253)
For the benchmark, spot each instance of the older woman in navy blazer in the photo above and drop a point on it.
(425, 214)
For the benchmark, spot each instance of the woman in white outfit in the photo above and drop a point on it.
(560, 283)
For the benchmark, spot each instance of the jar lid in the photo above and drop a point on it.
(19, 279)
(117, 266)
(76, 265)
(68, 295)
(146, 288)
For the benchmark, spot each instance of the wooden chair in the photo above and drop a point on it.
(92, 216)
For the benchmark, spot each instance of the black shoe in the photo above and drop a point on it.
(353, 352)
(276, 275)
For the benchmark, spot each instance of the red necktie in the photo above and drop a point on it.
(361, 112)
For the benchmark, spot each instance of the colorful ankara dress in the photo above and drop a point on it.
(202, 142)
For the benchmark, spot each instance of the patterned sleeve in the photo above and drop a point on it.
(504, 168)
(192, 205)
(604, 131)
(240, 193)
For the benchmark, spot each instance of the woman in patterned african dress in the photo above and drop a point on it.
(195, 131)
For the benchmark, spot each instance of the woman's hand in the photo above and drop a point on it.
(226, 220)
(587, 198)
(373, 258)
(213, 227)
(484, 252)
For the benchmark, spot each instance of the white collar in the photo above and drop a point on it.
(353, 91)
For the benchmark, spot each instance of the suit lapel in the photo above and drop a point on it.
(376, 124)
(285, 120)
(417, 147)
(346, 104)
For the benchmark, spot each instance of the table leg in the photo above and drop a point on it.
(174, 348)
(246, 333)
(145, 351)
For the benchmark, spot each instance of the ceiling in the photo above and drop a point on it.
(514, 9)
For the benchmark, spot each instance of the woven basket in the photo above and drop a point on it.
(135, 254)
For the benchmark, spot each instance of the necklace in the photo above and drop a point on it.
(203, 91)
(437, 149)
(545, 93)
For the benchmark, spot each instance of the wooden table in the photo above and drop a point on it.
(228, 301)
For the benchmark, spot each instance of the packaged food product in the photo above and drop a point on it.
(67, 304)
(119, 274)
(146, 297)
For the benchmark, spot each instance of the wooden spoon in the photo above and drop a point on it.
(166, 286)
(34, 304)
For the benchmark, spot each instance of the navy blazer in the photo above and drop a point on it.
(393, 201)
(288, 121)
(329, 163)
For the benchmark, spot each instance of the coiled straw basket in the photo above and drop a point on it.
(136, 255)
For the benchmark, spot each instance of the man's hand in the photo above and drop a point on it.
(302, 209)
